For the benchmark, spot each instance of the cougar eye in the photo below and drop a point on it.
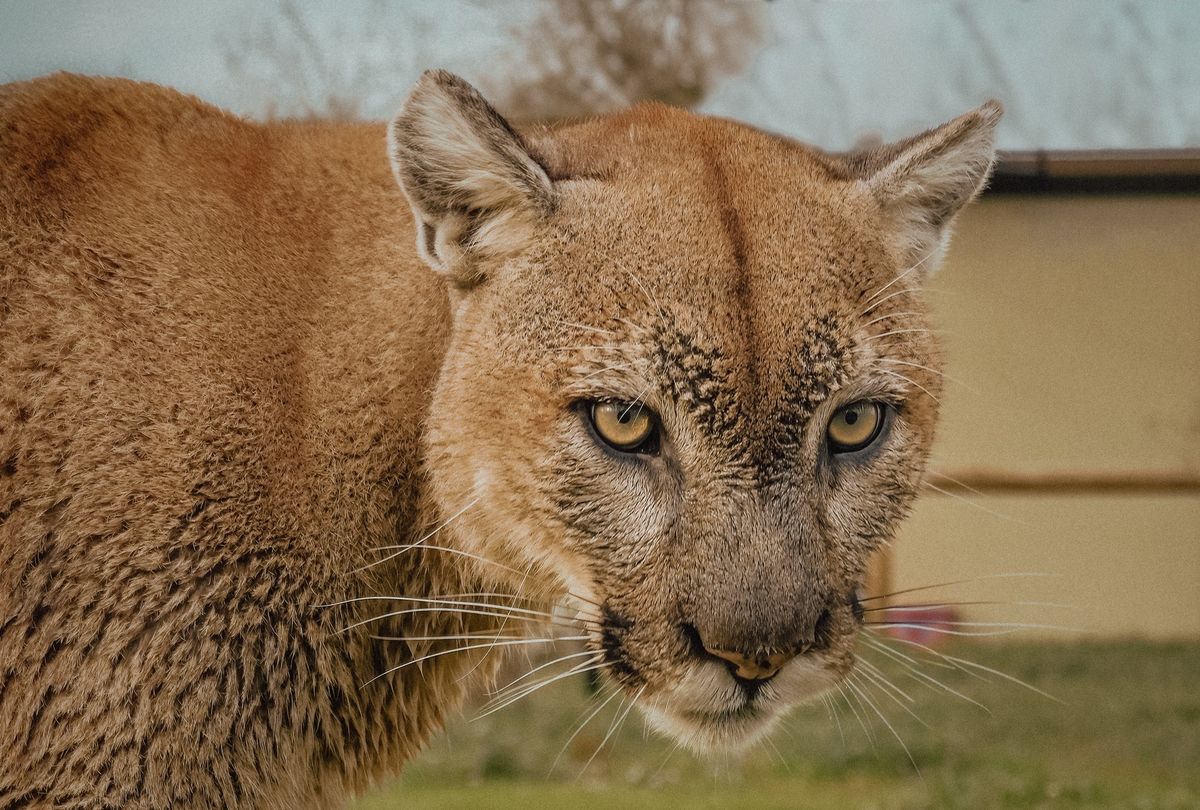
(855, 426)
(625, 426)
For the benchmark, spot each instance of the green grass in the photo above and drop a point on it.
(1127, 735)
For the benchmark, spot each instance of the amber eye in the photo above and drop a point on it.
(855, 427)
(628, 427)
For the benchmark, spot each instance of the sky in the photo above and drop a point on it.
(1073, 74)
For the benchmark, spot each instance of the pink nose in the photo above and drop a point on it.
(752, 668)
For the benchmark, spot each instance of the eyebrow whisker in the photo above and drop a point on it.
(911, 382)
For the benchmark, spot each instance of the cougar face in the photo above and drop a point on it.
(691, 383)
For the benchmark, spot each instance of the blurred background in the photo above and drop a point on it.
(1066, 478)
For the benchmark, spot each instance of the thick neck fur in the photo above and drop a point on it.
(216, 353)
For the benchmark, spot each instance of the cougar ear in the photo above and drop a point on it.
(922, 183)
(475, 190)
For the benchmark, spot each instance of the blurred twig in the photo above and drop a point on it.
(582, 57)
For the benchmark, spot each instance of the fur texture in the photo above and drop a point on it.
(226, 375)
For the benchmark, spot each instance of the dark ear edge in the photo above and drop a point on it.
(475, 189)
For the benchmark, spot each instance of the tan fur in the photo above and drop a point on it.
(228, 376)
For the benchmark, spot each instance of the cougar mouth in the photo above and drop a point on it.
(707, 706)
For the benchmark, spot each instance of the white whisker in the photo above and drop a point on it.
(606, 369)
(923, 678)
(955, 623)
(446, 549)
(455, 612)
(467, 648)
(911, 382)
(938, 372)
(430, 600)
(898, 277)
(942, 631)
(885, 299)
(910, 331)
(971, 581)
(970, 502)
(834, 716)
(620, 718)
(931, 606)
(872, 672)
(969, 667)
(862, 692)
(662, 313)
(585, 327)
(874, 321)
(867, 731)
(460, 637)
(443, 525)
(504, 700)
(616, 690)
(585, 347)
(519, 678)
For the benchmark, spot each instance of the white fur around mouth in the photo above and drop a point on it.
(730, 729)
(708, 713)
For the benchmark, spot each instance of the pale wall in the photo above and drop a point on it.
(1076, 320)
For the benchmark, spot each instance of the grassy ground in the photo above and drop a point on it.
(1127, 735)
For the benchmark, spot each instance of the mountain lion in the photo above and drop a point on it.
(275, 486)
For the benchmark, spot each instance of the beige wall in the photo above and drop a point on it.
(1075, 321)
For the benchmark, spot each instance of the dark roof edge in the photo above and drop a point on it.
(1146, 171)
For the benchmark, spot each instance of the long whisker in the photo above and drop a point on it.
(970, 502)
(923, 678)
(585, 327)
(910, 382)
(503, 624)
(670, 753)
(862, 692)
(457, 611)
(481, 594)
(834, 716)
(910, 331)
(882, 289)
(605, 370)
(887, 298)
(430, 600)
(959, 483)
(586, 347)
(877, 675)
(971, 581)
(957, 623)
(867, 731)
(967, 666)
(443, 525)
(454, 599)
(767, 741)
(467, 647)
(1004, 675)
(636, 401)
(612, 729)
(447, 549)
(943, 631)
(516, 684)
(874, 321)
(616, 690)
(507, 699)
(662, 313)
(938, 372)
(459, 637)
(922, 607)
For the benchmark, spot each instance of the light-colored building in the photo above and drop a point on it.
(1073, 327)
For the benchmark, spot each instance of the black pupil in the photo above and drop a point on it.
(626, 415)
(851, 417)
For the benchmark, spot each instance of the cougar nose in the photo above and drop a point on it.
(752, 668)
